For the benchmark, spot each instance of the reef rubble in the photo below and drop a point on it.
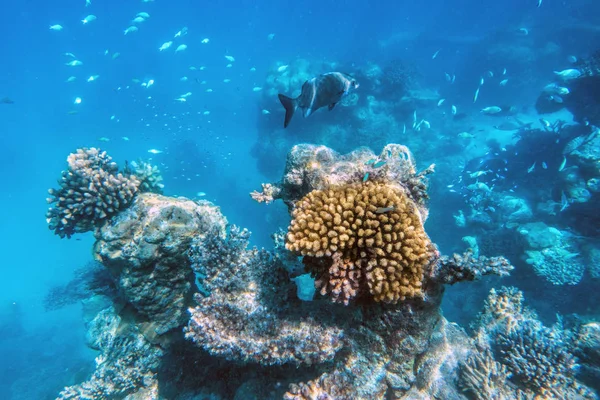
(195, 311)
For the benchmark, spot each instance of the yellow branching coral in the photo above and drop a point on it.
(357, 238)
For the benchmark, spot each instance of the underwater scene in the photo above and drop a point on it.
(316, 200)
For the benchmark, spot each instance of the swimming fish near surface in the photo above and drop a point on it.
(6, 100)
(323, 90)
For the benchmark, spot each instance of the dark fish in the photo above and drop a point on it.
(6, 100)
(323, 90)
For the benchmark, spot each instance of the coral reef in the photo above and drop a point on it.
(145, 248)
(127, 366)
(511, 339)
(457, 268)
(310, 167)
(91, 191)
(361, 237)
(176, 264)
(149, 176)
(238, 319)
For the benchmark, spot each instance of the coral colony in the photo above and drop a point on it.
(190, 300)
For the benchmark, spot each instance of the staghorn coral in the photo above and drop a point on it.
(360, 238)
(91, 191)
(485, 378)
(145, 248)
(239, 317)
(539, 358)
(149, 176)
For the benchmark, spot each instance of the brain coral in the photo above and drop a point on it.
(91, 191)
(361, 238)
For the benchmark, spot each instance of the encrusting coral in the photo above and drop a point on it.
(364, 237)
(238, 318)
(91, 191)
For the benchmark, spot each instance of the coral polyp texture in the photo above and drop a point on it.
(361, 238)
(91, 191)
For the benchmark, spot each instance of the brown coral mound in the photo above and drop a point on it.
(360, 238)
(91, 191)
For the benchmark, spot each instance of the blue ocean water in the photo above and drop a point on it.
(206, 142)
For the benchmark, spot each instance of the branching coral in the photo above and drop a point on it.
(268, 194)
(360, 238)
(149, 176)
(239, 317)
(485, 378)
(91, 191)
(539, 358)
(457, 268)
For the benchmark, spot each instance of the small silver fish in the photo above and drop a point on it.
(532, 168)
(567, 74)
(562, 164)
(383, 210)
(491, 110)
(564, 201)
(544, 165)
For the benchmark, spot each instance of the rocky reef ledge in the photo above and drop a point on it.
(197, 313)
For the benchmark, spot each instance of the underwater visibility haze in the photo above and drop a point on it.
(300, 200)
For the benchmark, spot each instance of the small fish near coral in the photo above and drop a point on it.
(323, 90)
